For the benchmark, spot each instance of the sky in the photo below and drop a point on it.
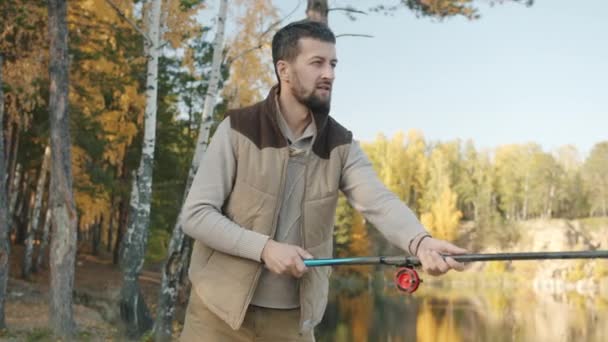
(516, 75)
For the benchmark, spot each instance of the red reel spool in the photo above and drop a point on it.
(407, 279)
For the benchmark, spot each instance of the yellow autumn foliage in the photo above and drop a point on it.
(251, 71)
(90, 93)
(401, 164)
(436, 328)
(444, 218)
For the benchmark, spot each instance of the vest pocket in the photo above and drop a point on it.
(225, 285)
(319, 221)
(250, 208)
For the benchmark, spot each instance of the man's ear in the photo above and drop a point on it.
(283, 71)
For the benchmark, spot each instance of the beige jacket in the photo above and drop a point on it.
(232, 208)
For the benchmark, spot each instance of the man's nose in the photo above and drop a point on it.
(329, 73)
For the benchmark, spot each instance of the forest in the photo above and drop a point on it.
(101, 134)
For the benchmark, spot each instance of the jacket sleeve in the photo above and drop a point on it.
(365, 192)
(202, 216)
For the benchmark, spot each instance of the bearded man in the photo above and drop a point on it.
(264, 199)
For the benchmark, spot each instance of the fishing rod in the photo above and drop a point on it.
(407, 279)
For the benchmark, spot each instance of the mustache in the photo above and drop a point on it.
(324, 84)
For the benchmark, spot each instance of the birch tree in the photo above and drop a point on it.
(177, 246)
(45, 240)
(63, 245)
(13, 191)
(33, 223)
(132, 306)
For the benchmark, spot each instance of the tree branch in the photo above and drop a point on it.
(347, 9)
(259, 45)
(241, 54)
(354, 35)
(122, 15)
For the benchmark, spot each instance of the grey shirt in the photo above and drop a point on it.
(281, 291)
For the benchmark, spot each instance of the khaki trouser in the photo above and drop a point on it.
(260, 325)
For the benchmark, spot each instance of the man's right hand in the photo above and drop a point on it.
(282, 258)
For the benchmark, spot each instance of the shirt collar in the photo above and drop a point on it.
(309, 131)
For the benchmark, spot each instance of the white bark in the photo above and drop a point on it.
(21, 196)
(212, 90)
(12, 194)
(177, 246)
(133, 309)
(45, 239)
(34, 220)
(11, 159)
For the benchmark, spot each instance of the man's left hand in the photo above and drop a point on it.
(430, 254)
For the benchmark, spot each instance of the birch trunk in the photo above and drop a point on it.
(35, 218)
(13, 193)
(21, 208)
(63, 244)
(11, 159)
(4, 212)
(178, 250)
(45, 239)
(24, 227)
(8, 137)
(132, 306)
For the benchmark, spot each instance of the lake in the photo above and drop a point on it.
(367, 307)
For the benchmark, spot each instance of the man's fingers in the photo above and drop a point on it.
(449, 248)
(428, 263)
(300, 266)
(458, 266)
(433, 263)
(281, 258)
(303, 253)
(296, 266)
(436, 258)
(440, 263)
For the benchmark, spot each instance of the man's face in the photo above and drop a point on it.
(311, 74)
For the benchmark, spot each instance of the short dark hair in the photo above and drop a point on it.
(285, 41)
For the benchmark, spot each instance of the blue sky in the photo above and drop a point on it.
(519, 74)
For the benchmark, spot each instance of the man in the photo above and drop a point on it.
(264, 199)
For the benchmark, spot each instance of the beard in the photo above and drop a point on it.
(316, 104)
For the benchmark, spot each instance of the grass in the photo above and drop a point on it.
(39, 334)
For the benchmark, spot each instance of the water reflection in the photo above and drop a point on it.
(372, 310)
